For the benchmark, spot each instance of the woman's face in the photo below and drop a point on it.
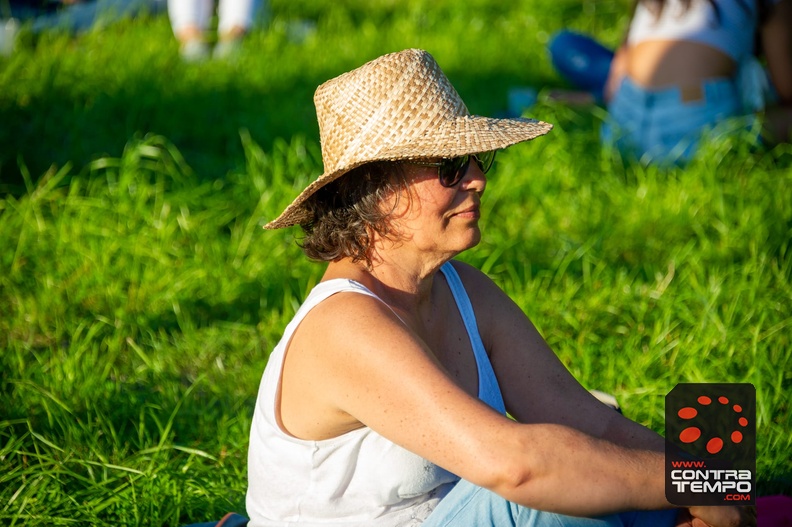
(437, 219)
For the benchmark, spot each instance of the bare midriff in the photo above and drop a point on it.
(656, 64)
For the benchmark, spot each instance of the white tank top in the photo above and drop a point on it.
(731, 30)
(356, 479)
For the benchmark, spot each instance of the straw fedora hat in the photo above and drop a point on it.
(398, 107)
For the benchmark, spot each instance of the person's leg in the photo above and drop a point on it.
(8, 33)
(470, 505)
(72, 18)
(664, 518)
(236, 17)
(186, 14)
(82, 16)
(189, 20)
(235, 20)
(109, 11)
(581, 60)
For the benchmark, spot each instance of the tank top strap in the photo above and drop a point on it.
(489, 390)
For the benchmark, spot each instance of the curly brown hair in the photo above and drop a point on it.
(348, 211)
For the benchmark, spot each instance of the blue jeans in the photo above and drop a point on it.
(658, 126)
(83, 16)
(470, 505)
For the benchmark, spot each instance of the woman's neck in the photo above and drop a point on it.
(403, 284)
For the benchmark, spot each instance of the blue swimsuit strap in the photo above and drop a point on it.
(489, 391)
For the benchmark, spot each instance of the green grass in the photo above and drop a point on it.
(140, 297)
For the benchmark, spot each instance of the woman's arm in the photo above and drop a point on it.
(537, 388)
(776, 35)
(383, 376)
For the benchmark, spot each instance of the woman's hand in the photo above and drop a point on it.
(701, 516)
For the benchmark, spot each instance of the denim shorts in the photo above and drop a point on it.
(658, 126)
(468, 505)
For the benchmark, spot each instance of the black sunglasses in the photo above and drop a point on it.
(451, 171)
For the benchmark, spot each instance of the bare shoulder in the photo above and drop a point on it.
(348, 317)
(477, 283)
(493, 307)
(348, 333)
(340, 344)
(467, 271)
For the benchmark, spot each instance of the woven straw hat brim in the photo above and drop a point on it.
(469, 134)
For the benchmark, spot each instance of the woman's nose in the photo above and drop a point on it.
(474, 178)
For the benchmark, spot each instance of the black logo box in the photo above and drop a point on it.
(710, 431)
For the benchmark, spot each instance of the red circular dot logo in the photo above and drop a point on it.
(689, 435)
(687, 413)
(714, 445)
(693, 433)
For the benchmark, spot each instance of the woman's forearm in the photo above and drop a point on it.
(569, 472)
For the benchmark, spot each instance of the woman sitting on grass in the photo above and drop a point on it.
(385, 402)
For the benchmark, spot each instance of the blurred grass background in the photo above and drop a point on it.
(140, 297)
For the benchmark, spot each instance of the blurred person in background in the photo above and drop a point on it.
(191, 19)
(688, 69)
(73, 16)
